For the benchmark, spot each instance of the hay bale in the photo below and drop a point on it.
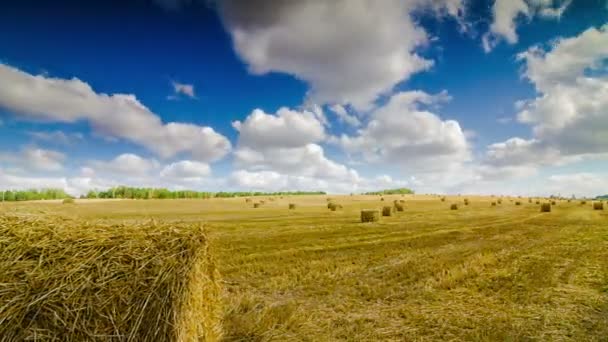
(466, 201)
(499, 201)
(247, 200)
(68, 201)
(382, 199)
(257, 205)
(598, 206)
(545, 208)
(334, 206)
(370, 215)
(493, 204)
(553, 203)
(77, 281)
(454, 206)
(292, 206)
(537, 202)
(517, 203)
(442, 199)
(387, 211)
(399, 207)
(583, 202)
(401, 201)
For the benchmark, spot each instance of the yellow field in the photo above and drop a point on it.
(429, 273)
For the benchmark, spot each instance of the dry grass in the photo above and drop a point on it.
(481, 273)
(64, 280)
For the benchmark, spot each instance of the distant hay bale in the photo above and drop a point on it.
(583, 202)
(76, 281)
(370, 215)
(292, 206)
(247, 200)
(399, 207)
(517, 203)
(499, 201)
(553, 203)
(401, 201)
(262, 202)
(545, 208)
(334, 206)
(382, 198)
(442, 199)
(598, 206)
(387, 211)
(466, 201)
(257, 205)
(454, 206)
(68, 201)
(493, 204)
(529, 200)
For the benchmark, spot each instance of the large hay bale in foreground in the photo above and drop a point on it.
(370, 215)
(75, 281)
(598, 206)
(545, 208)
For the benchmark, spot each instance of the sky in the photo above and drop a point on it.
(345, 96)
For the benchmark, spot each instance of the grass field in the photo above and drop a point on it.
(503, 273)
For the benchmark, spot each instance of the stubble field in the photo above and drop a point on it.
(482, 272)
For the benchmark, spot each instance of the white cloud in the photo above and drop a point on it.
(56, 137)
(580, 184)
(34, 158)
(286, 129)
(186, 169)
(349, 51)
(182, 88)
(344, 116)
(126, 164)
(401, 133)
(506, 13)
(118, 115)
(570, 116)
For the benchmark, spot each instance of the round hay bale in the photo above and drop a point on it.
(442, 199)
(334, 206)
(370, 215)
(466, 201)
(399, 207)
(68, 201)
(553, 203)
(545, 208)
(598, 206)
(517, 203)
(247, 200)
(257, 205)
(382, 199)
(499, 201)
(77, 281)
(537, 202)
(401, 201)
(292, 206)
(387, 211)
(454, 206)
(493, 204)
(583, 202)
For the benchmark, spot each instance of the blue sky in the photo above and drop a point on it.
(454, 96)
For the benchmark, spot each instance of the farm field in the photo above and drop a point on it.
(482, 272)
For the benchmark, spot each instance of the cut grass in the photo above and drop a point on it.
(478, 273)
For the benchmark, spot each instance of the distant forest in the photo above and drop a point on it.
(136, 193)
(400, 191)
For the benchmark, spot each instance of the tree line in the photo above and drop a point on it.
(400, 191)
(138, 193)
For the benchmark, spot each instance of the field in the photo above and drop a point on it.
(482, 272)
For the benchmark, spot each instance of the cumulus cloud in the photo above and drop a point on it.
(186, 169)
(287, 129)
(34, 158)
(569, 118)
(126, 164)
(349, 51)
(118, 115)
(402, 132)
(506, 13)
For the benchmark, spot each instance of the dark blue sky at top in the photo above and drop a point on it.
(138, 47)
